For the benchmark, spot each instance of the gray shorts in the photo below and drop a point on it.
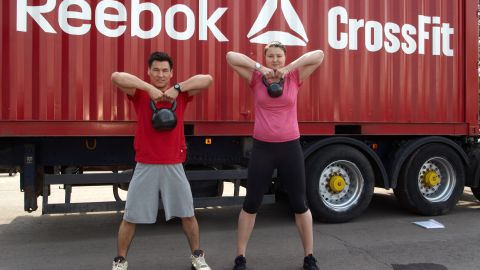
(143, 193)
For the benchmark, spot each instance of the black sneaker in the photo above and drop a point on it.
(310, 263)
(240, 263)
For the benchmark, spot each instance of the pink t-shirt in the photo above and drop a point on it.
(276, 118)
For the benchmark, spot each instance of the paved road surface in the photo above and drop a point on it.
(383, 238)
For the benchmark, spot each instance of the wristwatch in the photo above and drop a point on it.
(178, 88)
(258, 66)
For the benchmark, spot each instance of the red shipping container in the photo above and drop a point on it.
(404, 67)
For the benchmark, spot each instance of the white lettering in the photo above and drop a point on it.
(64, 15)
(447, 31)
(137, 9)
(422, 34)
(393, 43)
(169, 16)
(353, 27)
(436, 36)
(375, 44)
(410, 46)
(333, 15)
(429, 36)
(387, 36)
(101, 17)
(36, 13)
(206, 23)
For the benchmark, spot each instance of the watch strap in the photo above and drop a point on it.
(178, 88)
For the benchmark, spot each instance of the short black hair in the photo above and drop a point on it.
(160, 56)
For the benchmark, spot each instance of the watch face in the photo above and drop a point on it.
(177, 87)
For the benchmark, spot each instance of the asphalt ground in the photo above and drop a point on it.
(382, 238)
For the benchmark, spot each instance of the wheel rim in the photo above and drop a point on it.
(340, 185)
(436, 179)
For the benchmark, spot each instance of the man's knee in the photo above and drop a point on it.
(127, 224)
(188, 219)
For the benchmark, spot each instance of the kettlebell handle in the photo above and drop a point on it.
(265, 82)
(154, 108)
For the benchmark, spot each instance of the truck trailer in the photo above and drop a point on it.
(394, 105)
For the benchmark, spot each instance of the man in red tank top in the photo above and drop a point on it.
(159, 155)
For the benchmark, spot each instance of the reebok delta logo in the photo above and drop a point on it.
(286, 38)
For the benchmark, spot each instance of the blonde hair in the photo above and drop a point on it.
(275, 44)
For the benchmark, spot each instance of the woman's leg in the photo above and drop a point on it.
(305, 228)
(292, 174)
(246, 222)
(260, 171)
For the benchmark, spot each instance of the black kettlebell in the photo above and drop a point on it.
(164, 118)
(274, 89)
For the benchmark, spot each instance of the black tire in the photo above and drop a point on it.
(474, 159)
(125, 186)
(476, 192)
(206, 188)
(435, 197)
(122, 186)
(358, 178)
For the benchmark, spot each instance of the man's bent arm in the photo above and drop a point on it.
(196, 84)
(128, 83)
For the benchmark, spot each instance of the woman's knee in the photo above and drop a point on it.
(299, 207)
(251, 206)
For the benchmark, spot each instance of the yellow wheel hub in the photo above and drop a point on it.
(431, 179)
(337, 184)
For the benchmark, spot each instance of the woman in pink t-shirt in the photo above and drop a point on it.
(276, 140)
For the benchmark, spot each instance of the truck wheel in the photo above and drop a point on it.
(205, 188)
(340, 182)
(476, 192)
(431, 180)
(474, 158)
(122, 186)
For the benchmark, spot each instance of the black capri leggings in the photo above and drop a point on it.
(287, 158)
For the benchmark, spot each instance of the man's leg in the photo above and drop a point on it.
(178, 202)
(125, 236)
(190, 228)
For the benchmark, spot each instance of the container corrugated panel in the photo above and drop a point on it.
(381, 68)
